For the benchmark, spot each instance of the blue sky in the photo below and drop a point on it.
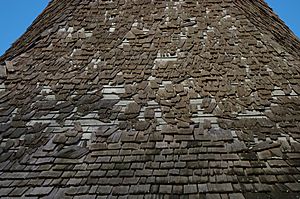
(288, 11)
(17, 15)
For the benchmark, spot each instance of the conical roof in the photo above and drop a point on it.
(151, 99)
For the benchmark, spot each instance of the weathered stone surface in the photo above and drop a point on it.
(149, 113)
(39, 191)
(72, 152)
(132, 108)
(141, 125)
(265, 145)
(151, 99)
(3, 72)
(60, 139)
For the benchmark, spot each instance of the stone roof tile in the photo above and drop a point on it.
(146, 99)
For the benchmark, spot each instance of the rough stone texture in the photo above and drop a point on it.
(151, 99)
(3, 72)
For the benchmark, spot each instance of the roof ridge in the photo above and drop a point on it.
(282, 32)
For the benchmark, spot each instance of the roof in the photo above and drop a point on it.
(151, 99)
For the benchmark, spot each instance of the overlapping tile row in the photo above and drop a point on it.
(151, 99)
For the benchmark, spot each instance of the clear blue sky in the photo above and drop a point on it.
(17, 15)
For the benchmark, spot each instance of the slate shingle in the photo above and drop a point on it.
(150, 99)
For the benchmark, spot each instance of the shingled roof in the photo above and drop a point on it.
(151, 99)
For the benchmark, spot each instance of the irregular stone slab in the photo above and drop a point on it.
(3, 72)
(236, 146)
(132, 108)
(265, 145)
(9, 66)
(149, 113)
(141, 125)
(72, 152)
(60, 139)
